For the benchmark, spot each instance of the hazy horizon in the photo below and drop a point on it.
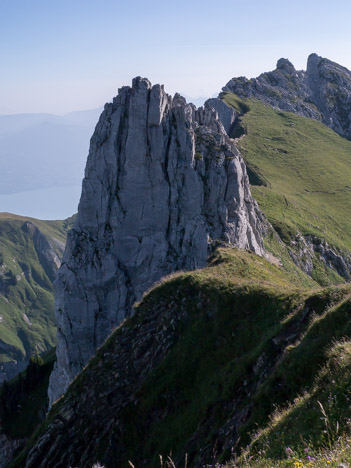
(42, 160)
(197, 100)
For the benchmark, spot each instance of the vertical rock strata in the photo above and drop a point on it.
(163, 182)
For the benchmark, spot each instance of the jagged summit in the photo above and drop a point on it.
(285, 65)
(163, 184)
(313, 61)
(322, 92)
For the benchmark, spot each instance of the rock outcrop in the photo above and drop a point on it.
(163, 184)
(227, 115)
(322, 92)
(303, 250)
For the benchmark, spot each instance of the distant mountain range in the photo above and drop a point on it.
(43, 156)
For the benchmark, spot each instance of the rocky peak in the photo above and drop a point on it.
(312, 63)
(325, 68)
(323, 92)
(285, 65)
(226, 114)
(163, 185)
(330, 84)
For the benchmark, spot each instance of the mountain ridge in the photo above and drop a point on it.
(322, 92)
(206, 355)
(188, 373)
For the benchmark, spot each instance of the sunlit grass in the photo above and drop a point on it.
(300, 172)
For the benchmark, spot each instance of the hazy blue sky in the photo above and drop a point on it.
(63, 55)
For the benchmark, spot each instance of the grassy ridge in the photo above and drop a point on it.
(259, 340)
(253, 337)
(312, 427)
(265, 344)
(221, 337)
(300, 172)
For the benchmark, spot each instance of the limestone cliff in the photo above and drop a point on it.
(322, 92)
(163, 184)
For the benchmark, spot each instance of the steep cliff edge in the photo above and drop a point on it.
(322, 92)
(163, 184)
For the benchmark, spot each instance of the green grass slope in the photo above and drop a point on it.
(27, 323)
(243, 336)
(311, 424)
(300, 172)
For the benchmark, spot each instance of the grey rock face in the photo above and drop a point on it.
(226, 114)
(322, 92)
(163, 183)
(306, 248)
(331, 89)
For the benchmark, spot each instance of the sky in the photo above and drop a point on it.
(59, 56)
